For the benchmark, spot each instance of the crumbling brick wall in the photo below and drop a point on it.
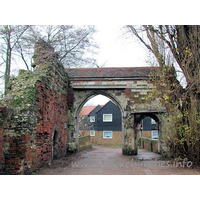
(34, 128)
(2, 112)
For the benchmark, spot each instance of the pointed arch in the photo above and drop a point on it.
(141, 116)
(92, 94)
(95, 93)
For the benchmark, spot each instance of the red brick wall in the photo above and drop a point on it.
(2, 116)
(16, 153)
(52, 114)
(36, 110)
(29, 146)
(1, 148)
(20, 158)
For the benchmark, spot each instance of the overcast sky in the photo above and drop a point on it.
(116, 50)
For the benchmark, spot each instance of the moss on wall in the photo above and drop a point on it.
(36, 103)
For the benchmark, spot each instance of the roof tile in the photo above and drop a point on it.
(86, 110)
(111, 72)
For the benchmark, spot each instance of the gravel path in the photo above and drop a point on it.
(110, 161)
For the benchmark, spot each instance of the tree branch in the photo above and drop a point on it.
(20, 36)
(134, 31)
(154, 45)
(73, 47)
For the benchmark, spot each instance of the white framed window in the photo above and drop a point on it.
(92, 118)
(154, 134)
(92, 133)
(153, 121)
(107, 134)
(107, 117)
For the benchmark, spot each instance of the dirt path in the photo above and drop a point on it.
(110, 161)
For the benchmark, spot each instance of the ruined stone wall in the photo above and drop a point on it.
(52, 112)
(2, 116)
(1, 150)
(19, 124)
(35, 120)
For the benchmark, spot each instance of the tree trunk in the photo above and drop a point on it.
(8, 66)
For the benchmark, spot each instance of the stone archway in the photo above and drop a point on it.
(88, 97)
(155, 116)
(95, 93)
(130, 118)
(129, 88)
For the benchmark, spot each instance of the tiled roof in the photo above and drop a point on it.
(111, 72)
(86, 110)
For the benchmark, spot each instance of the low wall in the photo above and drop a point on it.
(149, 144)
(84, 142)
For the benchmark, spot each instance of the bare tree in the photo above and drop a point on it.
(9, 36)
(72, 43)
(177, 45)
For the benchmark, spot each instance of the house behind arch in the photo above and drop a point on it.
(103, 124)
(85, 121)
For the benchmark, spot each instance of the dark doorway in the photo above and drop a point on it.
(55, 144)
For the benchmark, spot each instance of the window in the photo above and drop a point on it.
(154, 134)
(153, 121)
(107, 117)
(92, 133)
(92, 118)
(107, 134)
